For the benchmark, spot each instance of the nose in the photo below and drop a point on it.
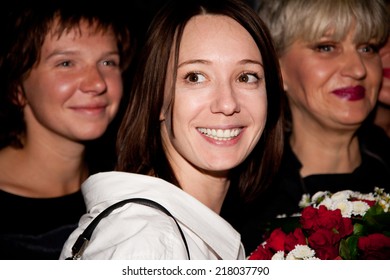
(225, 101)
(354, 65)
(93, 81)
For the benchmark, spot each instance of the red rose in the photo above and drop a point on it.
(345, 228)
(375, 246)
(261, 253)
(276, 240)
(314, 219)
(309, 218)
(294, 238)
(329, 219)
(323, 242)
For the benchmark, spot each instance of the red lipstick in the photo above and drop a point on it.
(351, 93)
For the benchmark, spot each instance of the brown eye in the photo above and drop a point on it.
(248, 78)
(243, 78)
(194, 77)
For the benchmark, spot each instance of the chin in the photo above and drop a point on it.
(91, 135)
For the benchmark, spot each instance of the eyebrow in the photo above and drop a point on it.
(64, 52)
(202, 61)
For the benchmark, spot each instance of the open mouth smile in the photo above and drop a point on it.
(220, 134)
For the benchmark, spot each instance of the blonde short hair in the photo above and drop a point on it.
(309, 20)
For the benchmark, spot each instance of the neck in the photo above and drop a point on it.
(325, 152)
(44, 170)
(209, 190)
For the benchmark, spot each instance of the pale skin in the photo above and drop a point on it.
(220, 86)
(324, 82)
(71, 95)
(382, 117)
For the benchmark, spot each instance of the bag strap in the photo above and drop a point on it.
(84, 238)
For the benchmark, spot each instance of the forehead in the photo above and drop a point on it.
(208, 34)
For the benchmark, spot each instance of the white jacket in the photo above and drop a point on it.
(136, 232)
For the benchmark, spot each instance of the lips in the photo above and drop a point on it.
(386, 73)
(351, 93)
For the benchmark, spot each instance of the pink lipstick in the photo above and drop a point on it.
(351, 93)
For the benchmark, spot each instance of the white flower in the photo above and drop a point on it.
(327, 202)
(384, 204)
(281, 216)
(342, 195)
(367, 196)
(300, 252)
(359, 207)
(290, 257)
(296, 215)
(279, 255)
(345, 207)
(305, 201)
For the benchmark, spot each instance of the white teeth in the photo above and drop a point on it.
(220, 134)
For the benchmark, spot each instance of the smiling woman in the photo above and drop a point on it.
(61, 86)
(329, 58)
(203, 116)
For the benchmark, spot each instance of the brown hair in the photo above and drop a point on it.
(25, 28)
(139, 144)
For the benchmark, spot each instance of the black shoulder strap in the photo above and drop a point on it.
(83, 239)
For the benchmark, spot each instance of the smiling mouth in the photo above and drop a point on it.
(351, 93)
(220, 134)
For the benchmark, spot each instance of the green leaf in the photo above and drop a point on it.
(376, 220)
(348, 249)
(358, 229)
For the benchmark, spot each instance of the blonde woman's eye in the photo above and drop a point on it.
(248, 78)
(370, 48)
(194, 77)
(324, 48)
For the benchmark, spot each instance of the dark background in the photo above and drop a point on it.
(145, 9)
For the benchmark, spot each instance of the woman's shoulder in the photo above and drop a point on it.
(132, 232)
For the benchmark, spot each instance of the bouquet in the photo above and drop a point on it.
(345, 225)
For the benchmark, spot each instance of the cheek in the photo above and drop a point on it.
(262, 114)
(115, 86)
(187, 108)
(301, 75)
(386, 60)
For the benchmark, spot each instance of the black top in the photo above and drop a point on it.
(37, 228)
(284, 195)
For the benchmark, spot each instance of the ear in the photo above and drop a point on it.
(162, 116)
(19, 97)
(285, 86)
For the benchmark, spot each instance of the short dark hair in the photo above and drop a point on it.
(26, 24)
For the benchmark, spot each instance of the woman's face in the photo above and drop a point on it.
(384, 94)
(220, 104)
(331, 83)
(75, 88)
